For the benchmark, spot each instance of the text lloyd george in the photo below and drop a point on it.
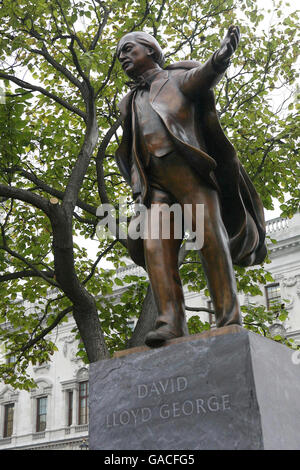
(164, 410)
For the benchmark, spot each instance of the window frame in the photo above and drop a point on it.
(269, 300)
(84, 397)
(38, 414)
(73, 385)
(70, 395)
(8, 406)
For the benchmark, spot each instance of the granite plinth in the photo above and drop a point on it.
(224, 389)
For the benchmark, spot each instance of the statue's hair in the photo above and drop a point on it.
(146, 40)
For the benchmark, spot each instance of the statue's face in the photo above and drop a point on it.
(134, 57)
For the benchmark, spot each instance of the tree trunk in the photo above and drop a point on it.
(84, 305)
(87, 321)
(145, 322)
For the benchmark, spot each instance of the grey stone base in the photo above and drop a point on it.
(224, 389)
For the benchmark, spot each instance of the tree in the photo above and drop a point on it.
(59, 131)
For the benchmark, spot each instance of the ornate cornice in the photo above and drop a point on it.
(283, 245)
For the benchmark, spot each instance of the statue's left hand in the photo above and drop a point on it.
(228, 46)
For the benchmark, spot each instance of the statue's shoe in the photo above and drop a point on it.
(156, 338)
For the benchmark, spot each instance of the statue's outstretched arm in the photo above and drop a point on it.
(205, 77)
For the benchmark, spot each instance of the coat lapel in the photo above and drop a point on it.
(125, 104)
(157, 84)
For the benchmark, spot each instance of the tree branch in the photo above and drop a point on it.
(45, 53)
(29, 264)
(30, 176)
(78, 66)
(100, 27)
(25, 196)
(39, 89)
(82, 162)
(97, 261)
(199, 309)
(107, 76)
(99, 161)
(41, 335)
(25, 273)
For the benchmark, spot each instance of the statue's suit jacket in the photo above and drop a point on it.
(182, 95)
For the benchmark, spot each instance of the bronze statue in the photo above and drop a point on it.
(174, 150)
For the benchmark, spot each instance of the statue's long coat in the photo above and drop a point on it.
(182, 96)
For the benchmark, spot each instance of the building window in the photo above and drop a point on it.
(8, 419)
(273, 296)
(83, 402)
(76, 392)
(70, 407)
(41, 414)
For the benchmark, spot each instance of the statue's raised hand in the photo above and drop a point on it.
(227, 47)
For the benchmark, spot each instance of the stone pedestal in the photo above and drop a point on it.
(224, 389)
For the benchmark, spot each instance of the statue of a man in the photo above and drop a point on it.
(174, 151)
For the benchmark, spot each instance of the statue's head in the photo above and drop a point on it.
(139, 51)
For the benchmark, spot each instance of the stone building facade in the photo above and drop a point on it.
(54, 415)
